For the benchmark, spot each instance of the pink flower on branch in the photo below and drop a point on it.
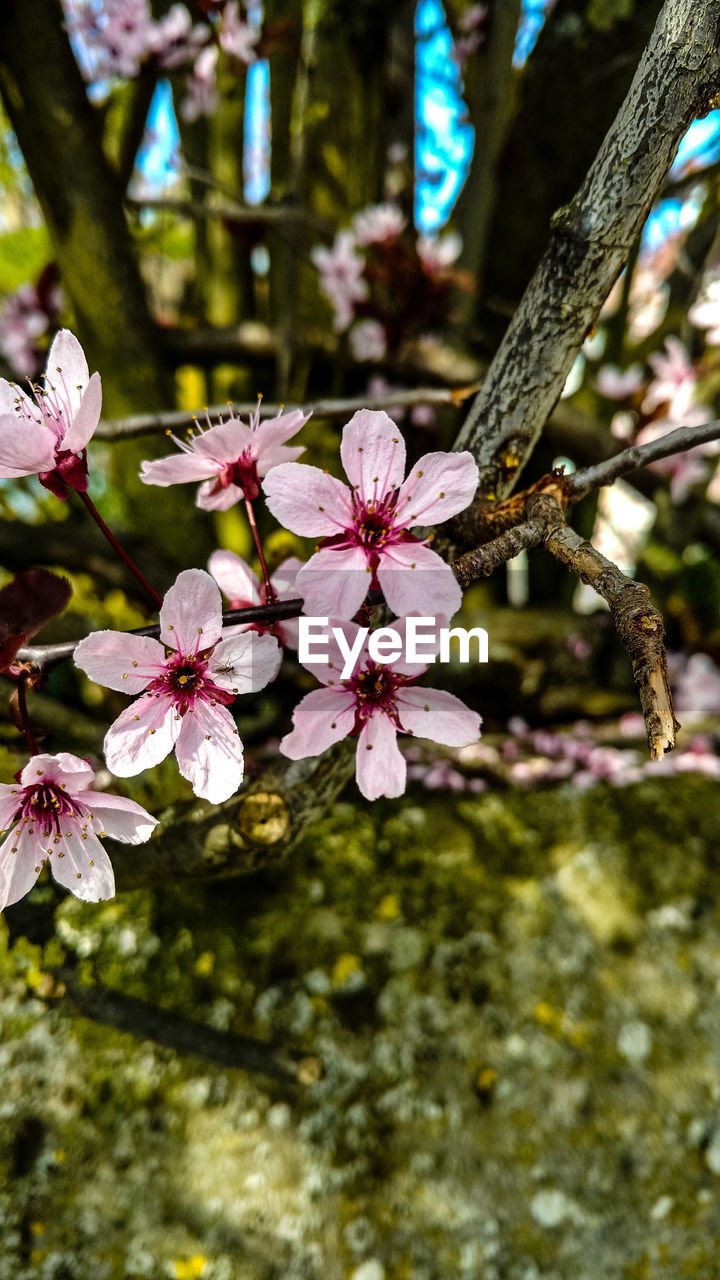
(186, 684)
(375, 704)
(47, 437)
(365, 528)
(341, 277)
(56, 818)
(231, 458)
(242, 587)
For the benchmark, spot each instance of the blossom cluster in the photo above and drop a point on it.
(183, 680)
(119, 37)
(381, 282)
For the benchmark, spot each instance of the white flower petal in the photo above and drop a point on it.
(380, 767)
(119, 660)
(191, 614)
(143, 735)
(246, 662)
(210, 753)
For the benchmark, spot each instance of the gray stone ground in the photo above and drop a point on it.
(515, 999)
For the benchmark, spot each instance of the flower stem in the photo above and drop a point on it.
(120, 551)
(269, 588)
(24, 717)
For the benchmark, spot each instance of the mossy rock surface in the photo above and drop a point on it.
(514, 998)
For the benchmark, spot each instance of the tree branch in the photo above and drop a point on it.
(200, 841)
(46, 656)
(591, 239)
(145, 1021)
(639, 624)
(639, 455)
(177, 420)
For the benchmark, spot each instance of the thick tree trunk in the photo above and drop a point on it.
(81, 199)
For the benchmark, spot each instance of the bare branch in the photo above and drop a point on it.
(230, 211)
(176, 420)
(591, 239)
(638, 622)
(200, 841)
(184, 1035)
(46, 656)
(484, 560)
(639, 455)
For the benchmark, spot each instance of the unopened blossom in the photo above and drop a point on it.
(368, 340)
(674, 382)
(243, 588)
(378, 223)
(374, 704)
(202, 98)
(47, 436)
(237, 37)
(53, 816)
(341, 277)
(365, 527)
(231, 458)
(437, 253)
(186, 681)
(705, 313)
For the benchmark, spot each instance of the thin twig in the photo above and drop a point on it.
(178, 420)
(24, 716)
(145, 1021)
(639, 624)
(148, 588)
(46, 656)
(637, 456)
(267, 214)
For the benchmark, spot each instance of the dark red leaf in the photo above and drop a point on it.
(26, 604)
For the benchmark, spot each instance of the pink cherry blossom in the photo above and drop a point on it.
(242, 587)
(186, 681)
(705, 313)
(365, 527)
(437, 253)
(202, 98)
(697, 690)
(341, 277)
(368, 340)
(230, 457)
(237, 37)
(47, 436)
(375, 704)
(114, 36)
(674, 382)
(378, 223)
(620, 384)
(473, 17)
(174, 39)
(56, 818)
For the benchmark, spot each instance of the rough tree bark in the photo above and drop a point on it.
(677, 77)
